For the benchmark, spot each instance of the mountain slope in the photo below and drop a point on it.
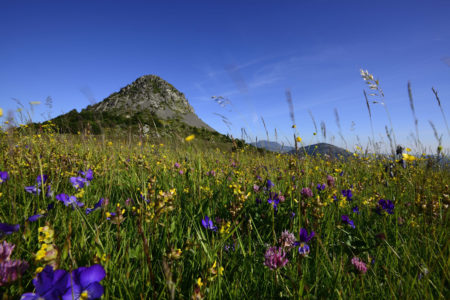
(149, 104)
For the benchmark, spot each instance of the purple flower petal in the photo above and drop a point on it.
(35, 218)
(8, 228)
(92, 274)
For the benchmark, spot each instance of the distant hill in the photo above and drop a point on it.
(322, 149)
(272, 146)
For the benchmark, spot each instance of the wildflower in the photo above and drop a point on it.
(199, 282)
(359, 265)
(72, 200)
(355, 209)
(49, 284)
(10, 270)
(32, 190)
(385, 205)
(303, 248)
(320, 187)
(3, 176)
(273, 199)
(1, 112)
(306, 192)
(5, 250)
(89, 174)
(35, 189)
(408, 157)
(347, 194)
(177, 165)
(294, 126)
(287, 240)
(7, 229)
(189, 138)
(346, 220)
(275, 258)
(78, 182)
(330, 181)
(175, 254)
(298, 139)
(34, 218)
(208, 224)
(269, 184)
(255, 188)
(96, 206)
(84, 283)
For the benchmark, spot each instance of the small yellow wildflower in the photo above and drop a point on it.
(190, 138)
(199, 282)
(299, 139)
(1, 112)
(294, 126)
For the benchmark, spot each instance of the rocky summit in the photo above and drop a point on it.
(154, 94)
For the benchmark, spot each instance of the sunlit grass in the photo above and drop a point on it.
(148, 234)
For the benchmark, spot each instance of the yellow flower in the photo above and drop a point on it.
(299, 139)
(190, 138)
(294, 126)
(1, 112)
(408, 157)
(408, 149)
(199, 282)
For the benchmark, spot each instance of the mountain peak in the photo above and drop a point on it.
(154, 94)
(148, 92)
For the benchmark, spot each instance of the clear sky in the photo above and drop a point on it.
(250, 52)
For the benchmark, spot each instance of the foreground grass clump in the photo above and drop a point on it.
(135, 218)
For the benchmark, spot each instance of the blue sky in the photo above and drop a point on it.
(247, 51)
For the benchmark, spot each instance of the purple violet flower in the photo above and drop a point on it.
(269, 184)
(346, 220)
(7, 229)
(3, 176)
(303, 248)
(96, 206)
(34, 218)
(69, 200)
(85, 283)
(274, 200)
(35, 189)
(385, 205)
(49, 284)
(348, 194)
(208, 224)
(320, 187)
(78, 182)
(89, 175)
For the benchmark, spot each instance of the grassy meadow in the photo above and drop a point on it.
(185, 219)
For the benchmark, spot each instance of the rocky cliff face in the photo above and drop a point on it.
(150, 93)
